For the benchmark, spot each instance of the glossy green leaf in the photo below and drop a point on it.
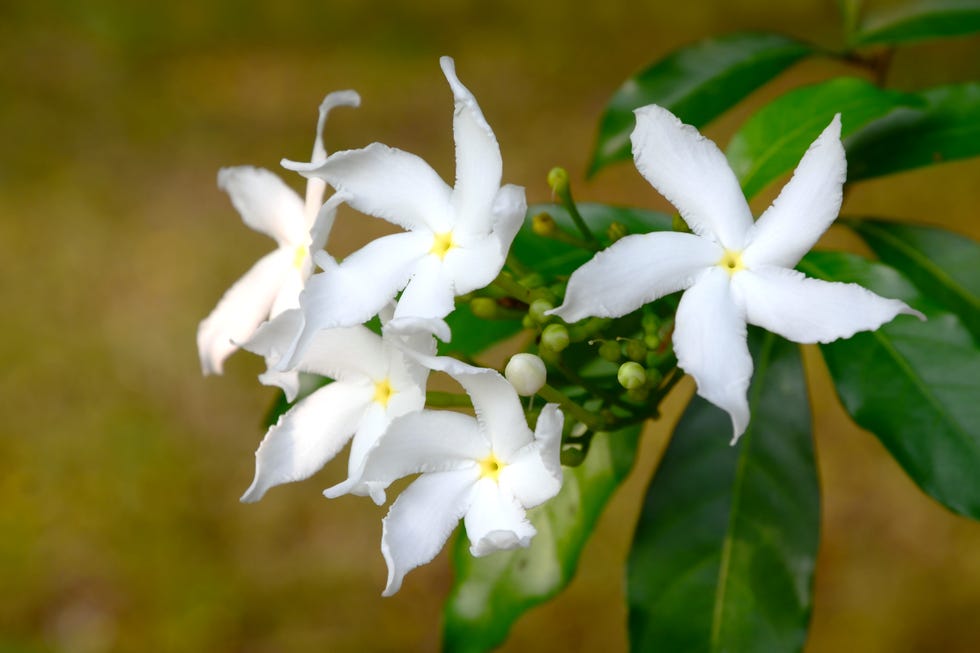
(945, 127)
(917, 21)
(944, 266)
(913, 384)
(724, 551)
(772, 142)
(698, 83)
(490, 593)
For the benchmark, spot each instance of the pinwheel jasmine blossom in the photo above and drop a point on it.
(734, 271)
(273, 284)
(487, 471)
(456, 239)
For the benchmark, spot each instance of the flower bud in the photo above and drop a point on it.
(484, 307)
(558, 180)
(631, 375)
(572, 456)
(527, 373)
(610, 351)
(616, 231)
(543, 224)
(636, 350)
(537, 308)
(555, 337)
(638, 394)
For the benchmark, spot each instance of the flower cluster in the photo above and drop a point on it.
(490, 469)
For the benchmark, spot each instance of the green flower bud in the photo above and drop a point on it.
(652, 341)
(558, 180)
(638, 394)
(636, 350)
(650, 322)
(528, 322)
(631, 375)
(610, 351)
(555, 337)
(537, 308)
(654, 377)
(543, 224)
(616, 231)
(527, 373)
(484, 307)
(572, 456)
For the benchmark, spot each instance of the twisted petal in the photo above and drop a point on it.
(710, 342)
(810, 310)
(369, 429)
(314, 185)
(387, 183)
(429, 293)
(474, 264)
(271, 340)
(692, 173)
(495, 521)
(805, 207)
(634, 271)
(307, 436)
(421, 520)
(509, 208)
(534, 476)
(265, 202)
(240, 311)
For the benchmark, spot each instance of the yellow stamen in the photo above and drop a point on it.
(731, 262)
(383, 392)
(442, 243)
(299, 256)
(490, 467)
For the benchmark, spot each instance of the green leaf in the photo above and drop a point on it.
(471, 335)
(945, 127)
(698, 83)
(724, 551)
(913, 384)
(944, 266)
(773, 141)
(917, 21)
(490, 593)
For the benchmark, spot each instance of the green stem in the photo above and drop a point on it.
(565, 195)
(588, 418)
(506, 283)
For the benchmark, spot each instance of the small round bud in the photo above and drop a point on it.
(555, 337)
(638, 394)
(537, 308)
(631, 375)
(558, 180)
(572, 456)
(616, 231)
(527, 373)
(652, 341)
(650, 322)
(610, 351)
(636, 350)
(543, 224)
(654, 377)
(484, 307)
(528, 322)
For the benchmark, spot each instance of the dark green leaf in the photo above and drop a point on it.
(944, 266)
(698, 83)
(724, 552)
(490, 593)
(773, 141)
(944, 128)
(913, 384)
(471, 335)
(917, 21)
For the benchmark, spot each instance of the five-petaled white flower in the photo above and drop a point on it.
(457, 237)
(735, 271)
(487, 471)
(272, 285)
(376, 380)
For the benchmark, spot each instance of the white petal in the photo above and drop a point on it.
(351, 352)
(265, 202)
(635, 271)
(316, 186)
(475, 263)
(240, 311)
(478, 163)
(287, 298)
(509, 209)
(429, 293)
(372, 425)
(710, 342)
(271, 340)
(387, 183)
(307, 436)
(535, 475)
(495, 521)
(421, 520)
(323, 223)
(810, 310)
(805, 207)
(692, 173)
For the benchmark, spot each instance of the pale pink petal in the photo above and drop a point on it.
(693, 174)
(495, 521)
(265, 202)
(805, 207)
(635, 271)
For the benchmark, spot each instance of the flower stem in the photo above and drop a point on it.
(506, 283)
(588, 418)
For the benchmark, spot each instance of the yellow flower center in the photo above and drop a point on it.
(442, 243)
(299, 256)
(383, 392)
(731, 262)
(490, 467)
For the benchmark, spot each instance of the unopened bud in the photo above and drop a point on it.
(631, 375)
(572, 456)
(638, 394)
(616, 231)
(527, 373)
(537, 308)
(610, 351)
(555, 337)
(636, 350)
(543, 224)
(484, 307)
(652, 341)
(558, 180)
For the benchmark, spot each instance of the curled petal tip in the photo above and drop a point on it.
(348, 98)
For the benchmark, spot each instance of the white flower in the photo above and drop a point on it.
(272, 286)
(735, 271)
(457, 237)
(487, 471)
(375, 381)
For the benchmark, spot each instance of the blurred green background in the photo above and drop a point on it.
(121, 467)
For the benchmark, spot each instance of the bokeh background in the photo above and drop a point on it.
(121, 467)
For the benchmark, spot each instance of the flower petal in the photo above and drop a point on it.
(387, 183)
(634, 271)
(372, 425)
(710, 342)
(421, 520)
(271, 340)
(474, 264)
(478, 163)
(535, 475)
(316, 186)
(810, 310)
(692, 173)
(805, 207)
(240, 311)
(495, 521)
(265, 202)
(509, 208)
(307, 436)
(429, 293)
